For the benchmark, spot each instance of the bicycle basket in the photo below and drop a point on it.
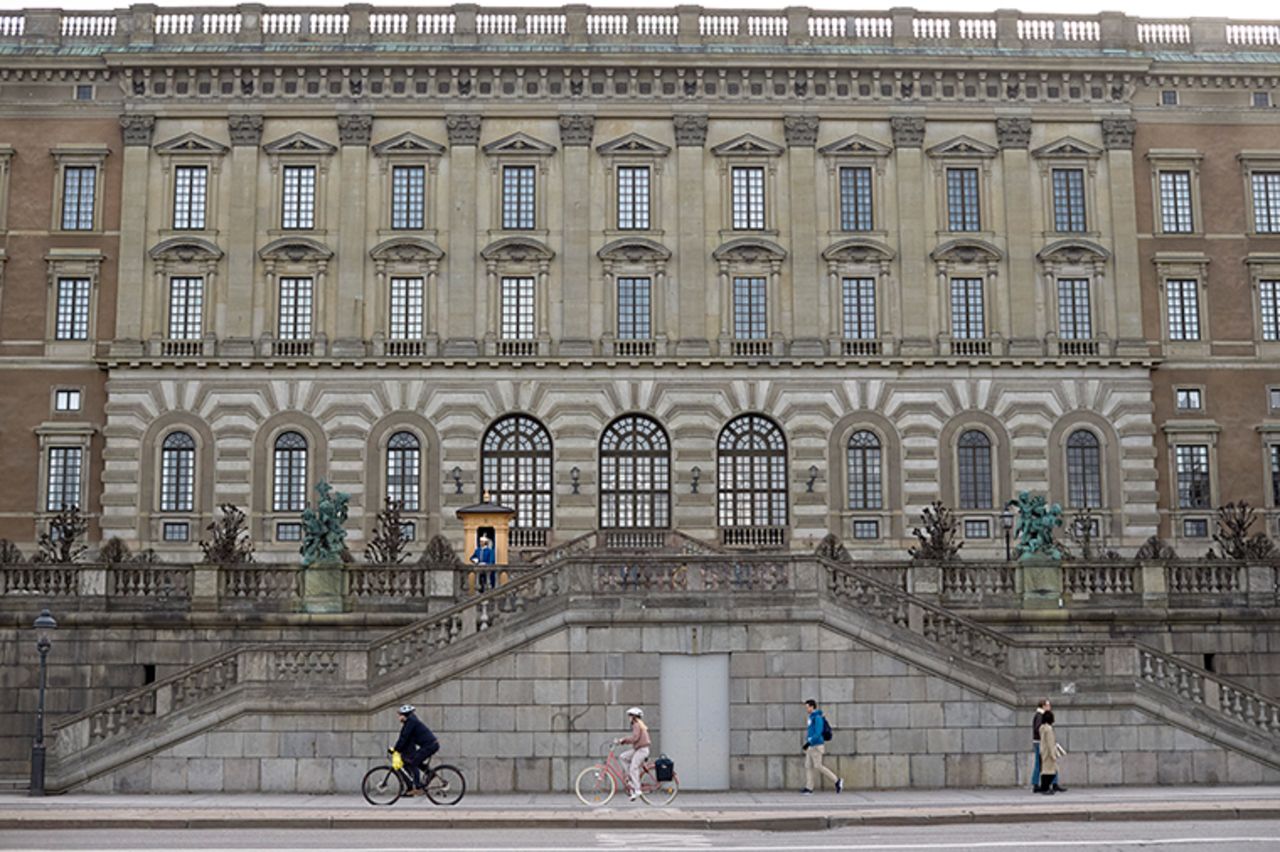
(397, 762)
(664, 768)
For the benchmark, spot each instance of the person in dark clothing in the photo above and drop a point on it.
(416, 745)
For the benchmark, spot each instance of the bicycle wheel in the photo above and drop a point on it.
(655, 792)
(382, 785)
(446, 786)
(595, 786)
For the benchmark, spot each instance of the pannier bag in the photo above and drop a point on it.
(665, 768)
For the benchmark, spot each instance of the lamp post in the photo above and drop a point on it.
(44, 626)
(1006, 520)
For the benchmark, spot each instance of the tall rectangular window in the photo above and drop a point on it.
(1074, 322)
(633, 198)
(1269, 309)
(298, 208)
(750, 309)
(518, 197)
(295, 308)
(963, 200)
(1275, 474)
(858, 299)
(406, 309)
(63, 481)
(747, 185)
(190, 192)
(1266, 202)
(855, 199)
(408, 197)
(634, 298)
(1183, 298)
(517, 308)
(1192, 462)
(968, 320)
(1175, 202)
(79, 183)
(186, 308)
(72, 319)
(1068, 200)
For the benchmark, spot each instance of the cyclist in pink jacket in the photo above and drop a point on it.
(634, 757)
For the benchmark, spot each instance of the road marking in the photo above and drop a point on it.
(636, 840)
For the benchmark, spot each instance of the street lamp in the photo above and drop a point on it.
(1006, 520)
(44, 626)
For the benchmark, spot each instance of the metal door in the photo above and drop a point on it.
(695, 719)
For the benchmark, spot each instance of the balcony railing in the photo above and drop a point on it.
(293, 348)
(181, 348)
(860, 348)
(752, 348)
(756, 537)
(634, 348)
(517, 348)
(407, 348)
(1077, 348)
(530, 537)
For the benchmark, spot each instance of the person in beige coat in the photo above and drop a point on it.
(1049, 753)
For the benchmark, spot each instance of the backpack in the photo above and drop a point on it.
(826, 730)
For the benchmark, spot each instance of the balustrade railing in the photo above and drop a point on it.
(1099, 578)
(985, 582)
(766, 537)
(751, 348)
(528, 537)
(692, 574)
(155, 581)
(1205, 578)
(387, 583)
(517, 348)
(259, 583)
(40, 580)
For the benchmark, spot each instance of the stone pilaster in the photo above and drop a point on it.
(699, 302)
(1117, 138)
(808, 299)
(240, 316)
(137, 130)
(1021, 283)
(916, 280)
(465, 288)
(576, 132)
(348, 291)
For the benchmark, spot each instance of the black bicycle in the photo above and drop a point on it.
(386, 785)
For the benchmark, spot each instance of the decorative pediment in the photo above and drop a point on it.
(1073, 251)
(962, 146)
(295, 250)
(1068, 147)
(185, 250)
(856, 145)
(520, 143)
(409, 143)
(858, 250)
(191, 143)
(750, 250)
(634, 250)
(634, 143)
(406, 250)
(966, 251)
(299, 143)
(748, 145)
(517, 250)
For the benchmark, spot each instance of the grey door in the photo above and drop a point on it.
(695, 719)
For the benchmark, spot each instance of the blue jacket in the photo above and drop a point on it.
(483, 556)
(415, 736)
(813, 734)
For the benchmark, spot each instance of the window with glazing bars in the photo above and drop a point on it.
(633, 308)
(408, 197)
(186, 308)
(63, 478)
(404, 464)
(1275, 474)
(190, 192)
(967, 317)
(517, 308)
(515, 468)
(633, 198)
(1266, 202)
(1175, 202)
(1192, 462)
(71, 321)
(295, 308)
(1068, 200)
(289, 477)
(518, 197)
(1084, 470)
(973, 462)
(963, 200)
(1074, 321)
(858, 297)
(855, 199)
(406, 309)
(750, 309)
(1183, 298)
(635, 474)
(751, 473)
(864, 471)
(79, 183)
(1269, 309)
(747, 198)
(177, 473)
(298, 208)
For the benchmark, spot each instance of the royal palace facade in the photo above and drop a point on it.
(750, 276)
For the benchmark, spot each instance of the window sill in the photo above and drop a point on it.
(733, 233)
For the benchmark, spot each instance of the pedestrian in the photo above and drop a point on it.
(634, 757)
(1050, 751)
(1036, 720)
(816, 734)
(482, 556)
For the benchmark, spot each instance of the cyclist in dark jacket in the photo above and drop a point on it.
(416, 745)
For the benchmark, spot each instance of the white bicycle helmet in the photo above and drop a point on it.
(406, 709)
(635, 711)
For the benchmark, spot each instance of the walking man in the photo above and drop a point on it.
(1036, 721)
(815, 746)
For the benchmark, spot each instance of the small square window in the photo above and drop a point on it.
(177, 532)
(980, 528)
(1262, 99)
(1189, 399)
(1093, 528)
(1169, 97)
(408, 531)
(65, 399)
(1195, 528)
(1273, 396)
(866, 529)
(84, 93)
(289, 532)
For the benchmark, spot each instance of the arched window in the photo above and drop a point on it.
(177, 473)
(515, 468)
(404, 455)
(1084, 470)
(864, 471)
(635, 474)
(751, 473)
(289, 482)
(974, 462)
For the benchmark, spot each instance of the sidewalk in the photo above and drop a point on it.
(765, 811)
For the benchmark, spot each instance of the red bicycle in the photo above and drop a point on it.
(596, 785)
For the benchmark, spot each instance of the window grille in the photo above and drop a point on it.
(1192, 463)
(186, 308)
(404, 465)
(515, 468)
(518, 197)
(974, 463)
(750, 309)
(1084, 470)
(864, 471)
(177, 473)
(963, 202)
(855, 199)
(635, 474)
(751, 473)
(1068, 200)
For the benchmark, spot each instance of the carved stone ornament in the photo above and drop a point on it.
(691, 129)
(908, 131)
(245, 129)
(800, 131)
(1118, 132)
(463, 129)
(137, 128)
(1013, 132)
(355, 129)
(577, 129)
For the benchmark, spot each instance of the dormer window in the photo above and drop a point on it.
(748, 164)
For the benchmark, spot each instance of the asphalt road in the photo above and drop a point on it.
(1224, 836)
